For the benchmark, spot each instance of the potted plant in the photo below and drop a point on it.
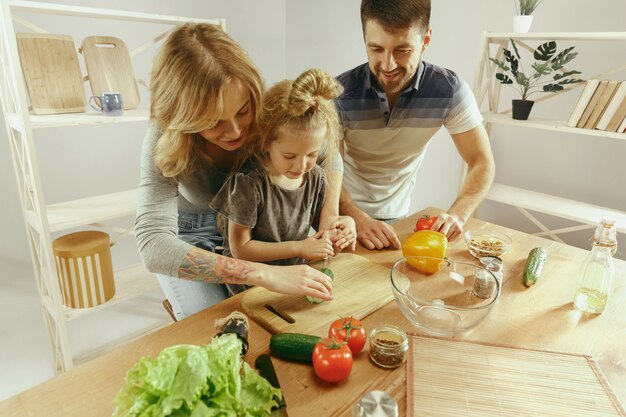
(523, 19)
(548, 75)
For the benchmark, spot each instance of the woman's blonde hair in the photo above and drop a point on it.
(194, 66)
(297, 106)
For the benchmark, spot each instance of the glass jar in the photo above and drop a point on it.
(388, 346)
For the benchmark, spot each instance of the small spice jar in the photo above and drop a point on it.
(388, 346)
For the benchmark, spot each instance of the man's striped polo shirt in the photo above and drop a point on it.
(384, 149)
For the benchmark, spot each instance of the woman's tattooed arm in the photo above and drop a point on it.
(200, 265)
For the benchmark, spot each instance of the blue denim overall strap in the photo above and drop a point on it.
(189, 297)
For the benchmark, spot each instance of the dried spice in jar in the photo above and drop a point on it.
(388, 346)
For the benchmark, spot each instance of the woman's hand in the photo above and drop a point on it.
(344, 233)
(296, 280)
(316, 247)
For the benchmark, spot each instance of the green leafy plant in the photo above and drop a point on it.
(549, 74)
(526, 7)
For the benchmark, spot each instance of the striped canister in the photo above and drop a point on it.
(84, 267)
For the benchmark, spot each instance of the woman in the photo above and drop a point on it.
(205, 94)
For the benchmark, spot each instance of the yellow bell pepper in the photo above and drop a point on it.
(425, 243)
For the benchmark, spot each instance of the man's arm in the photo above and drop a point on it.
(474, 148)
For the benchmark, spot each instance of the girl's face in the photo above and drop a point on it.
(293, 154)
(231, 131)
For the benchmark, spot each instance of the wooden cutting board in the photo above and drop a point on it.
(51, 72)
(360, 287)
(109, 68)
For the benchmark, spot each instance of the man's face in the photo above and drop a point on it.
(394, 56)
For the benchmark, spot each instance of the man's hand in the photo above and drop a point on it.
(449, 224)
(376, 234)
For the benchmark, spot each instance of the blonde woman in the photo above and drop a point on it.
(277, 196)
(205, 93)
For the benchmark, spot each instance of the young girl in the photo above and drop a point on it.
(272, 202)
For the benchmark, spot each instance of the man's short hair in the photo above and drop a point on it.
(396, 14)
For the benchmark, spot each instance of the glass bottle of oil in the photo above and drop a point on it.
(597, 271)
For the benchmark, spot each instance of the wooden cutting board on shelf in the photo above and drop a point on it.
(109, 68)
(359, 288)
(51, 72)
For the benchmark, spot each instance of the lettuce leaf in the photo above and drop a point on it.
(198, 381)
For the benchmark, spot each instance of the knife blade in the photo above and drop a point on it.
(266, 369)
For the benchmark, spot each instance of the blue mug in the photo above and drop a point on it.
(110, 104)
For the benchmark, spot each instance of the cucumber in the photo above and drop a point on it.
(534, 265)
(295, 347)
(314, 300)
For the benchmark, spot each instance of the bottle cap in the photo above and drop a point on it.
(608, 221)
(376, 404)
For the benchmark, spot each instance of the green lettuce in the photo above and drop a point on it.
(197, 381)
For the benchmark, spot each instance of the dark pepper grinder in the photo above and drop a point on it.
(237, 323)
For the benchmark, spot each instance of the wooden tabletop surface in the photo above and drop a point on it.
(538, 317)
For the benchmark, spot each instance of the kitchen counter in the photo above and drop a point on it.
(541, 317)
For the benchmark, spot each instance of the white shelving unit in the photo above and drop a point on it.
(487, 87)
(41, 219)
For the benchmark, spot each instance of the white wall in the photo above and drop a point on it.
(286, 37)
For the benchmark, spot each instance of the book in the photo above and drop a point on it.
(583, 100)
(592, 103)
(604, 99)
(612, 107)
(618, 117)
(622, 127)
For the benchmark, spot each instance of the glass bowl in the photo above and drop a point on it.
(447, 302)
(481, 243)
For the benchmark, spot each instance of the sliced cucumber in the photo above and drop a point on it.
(315, 300)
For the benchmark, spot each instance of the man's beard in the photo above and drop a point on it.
(393, 86)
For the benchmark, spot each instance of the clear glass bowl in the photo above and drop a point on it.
(481, 243)
(450, 301)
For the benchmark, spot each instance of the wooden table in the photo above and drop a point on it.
(540, 317)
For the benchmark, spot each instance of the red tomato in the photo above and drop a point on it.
(351, 330)
(332, 360)
(425, 223)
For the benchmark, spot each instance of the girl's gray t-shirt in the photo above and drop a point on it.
(275, 214)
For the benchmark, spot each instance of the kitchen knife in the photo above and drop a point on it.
(266, 369)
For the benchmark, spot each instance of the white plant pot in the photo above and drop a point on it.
(521, 24)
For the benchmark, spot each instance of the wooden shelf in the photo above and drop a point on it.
(66, 10)
(69, 214)
(573, 36)
(130, 282)
(556, 206)
(546, 124)
(88, 118)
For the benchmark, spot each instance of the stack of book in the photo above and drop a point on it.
(602, 106)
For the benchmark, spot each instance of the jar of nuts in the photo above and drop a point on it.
(388, 346)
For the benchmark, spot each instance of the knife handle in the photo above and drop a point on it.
(266, 369)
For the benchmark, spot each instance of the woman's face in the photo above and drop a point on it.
(231, 131)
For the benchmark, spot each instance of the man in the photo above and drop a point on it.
(391, 108)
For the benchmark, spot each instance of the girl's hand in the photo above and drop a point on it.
(316, 247)
(344, 233)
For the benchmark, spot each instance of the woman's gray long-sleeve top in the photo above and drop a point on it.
(160, 199)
